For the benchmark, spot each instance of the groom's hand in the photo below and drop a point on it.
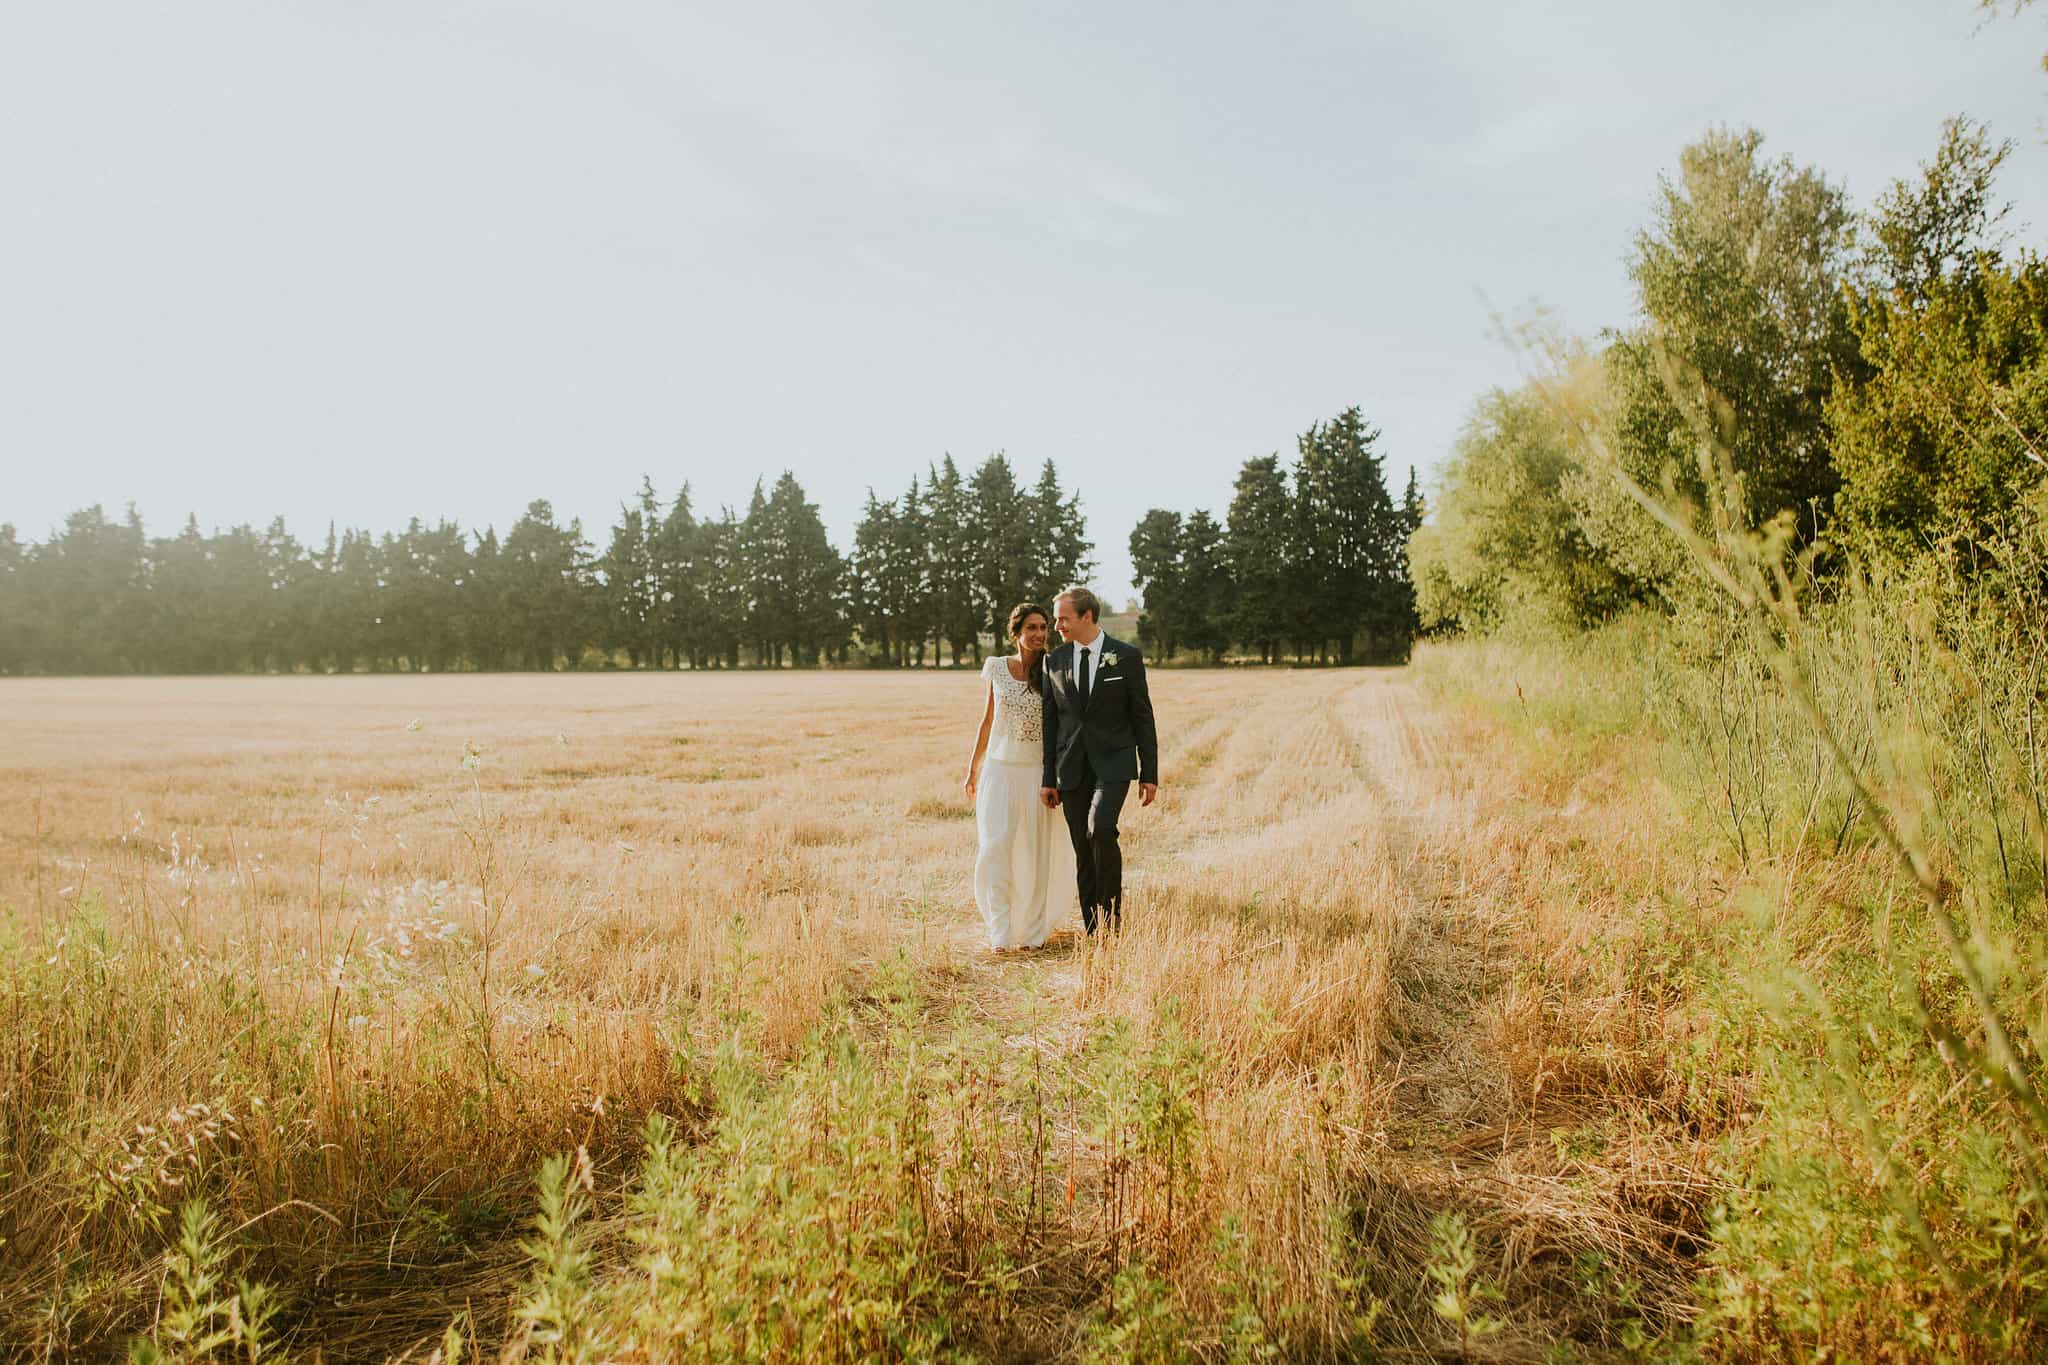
(1051, 797)
(1147, 791)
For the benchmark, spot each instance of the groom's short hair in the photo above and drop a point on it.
(1085, 603)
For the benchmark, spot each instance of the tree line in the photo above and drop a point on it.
(931, 570)
(1878, 375)
(1309, 561)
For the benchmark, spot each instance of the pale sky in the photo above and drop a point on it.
(370, 259)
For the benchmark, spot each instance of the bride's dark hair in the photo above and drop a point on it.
(1019, 614)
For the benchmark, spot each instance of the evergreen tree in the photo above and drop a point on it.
(679, 603)
(545, 580)
(1157, 571)
(725, 599)
(285, 644)
(1351, 581)
(632, 582)
(761, 596)
(1061, 547)
(179, 608)
(421, 602)
(1207, 595)
(1002, 539)
(92, 578)
(870, 574)
(797, 576)
(956, 616)
(1258, 550)
(356, 604)
(488, 630)
(911, 591)
(21, 642)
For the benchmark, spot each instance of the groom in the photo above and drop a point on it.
(1099, 738)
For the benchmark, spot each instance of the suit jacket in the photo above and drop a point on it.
(1112, 738)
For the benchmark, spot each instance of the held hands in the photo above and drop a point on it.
(1148, 792)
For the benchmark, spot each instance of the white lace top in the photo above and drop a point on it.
(1017, 733)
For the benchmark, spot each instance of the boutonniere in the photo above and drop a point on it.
(1108, 659)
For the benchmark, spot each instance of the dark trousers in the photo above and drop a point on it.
(1098, 859)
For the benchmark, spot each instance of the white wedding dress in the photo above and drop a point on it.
(1024, 870)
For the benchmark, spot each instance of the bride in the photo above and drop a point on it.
(1024, 871)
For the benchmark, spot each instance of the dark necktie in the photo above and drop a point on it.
(1084, 677)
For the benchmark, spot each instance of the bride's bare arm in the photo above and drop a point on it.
(988, 720)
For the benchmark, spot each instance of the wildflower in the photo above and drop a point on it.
(413, 724)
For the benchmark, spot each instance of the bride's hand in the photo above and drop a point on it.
(973, 781)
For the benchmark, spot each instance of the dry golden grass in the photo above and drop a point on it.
(405, 981)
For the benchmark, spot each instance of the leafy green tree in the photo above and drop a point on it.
(1507, 542)
(1937, 229)
(1258, 547)
(1945, 436)
(1740, 283)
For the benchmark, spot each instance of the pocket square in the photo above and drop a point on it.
(1104, 682)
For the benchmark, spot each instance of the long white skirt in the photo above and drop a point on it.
(1024, 871)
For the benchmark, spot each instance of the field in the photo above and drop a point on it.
(349, 958)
